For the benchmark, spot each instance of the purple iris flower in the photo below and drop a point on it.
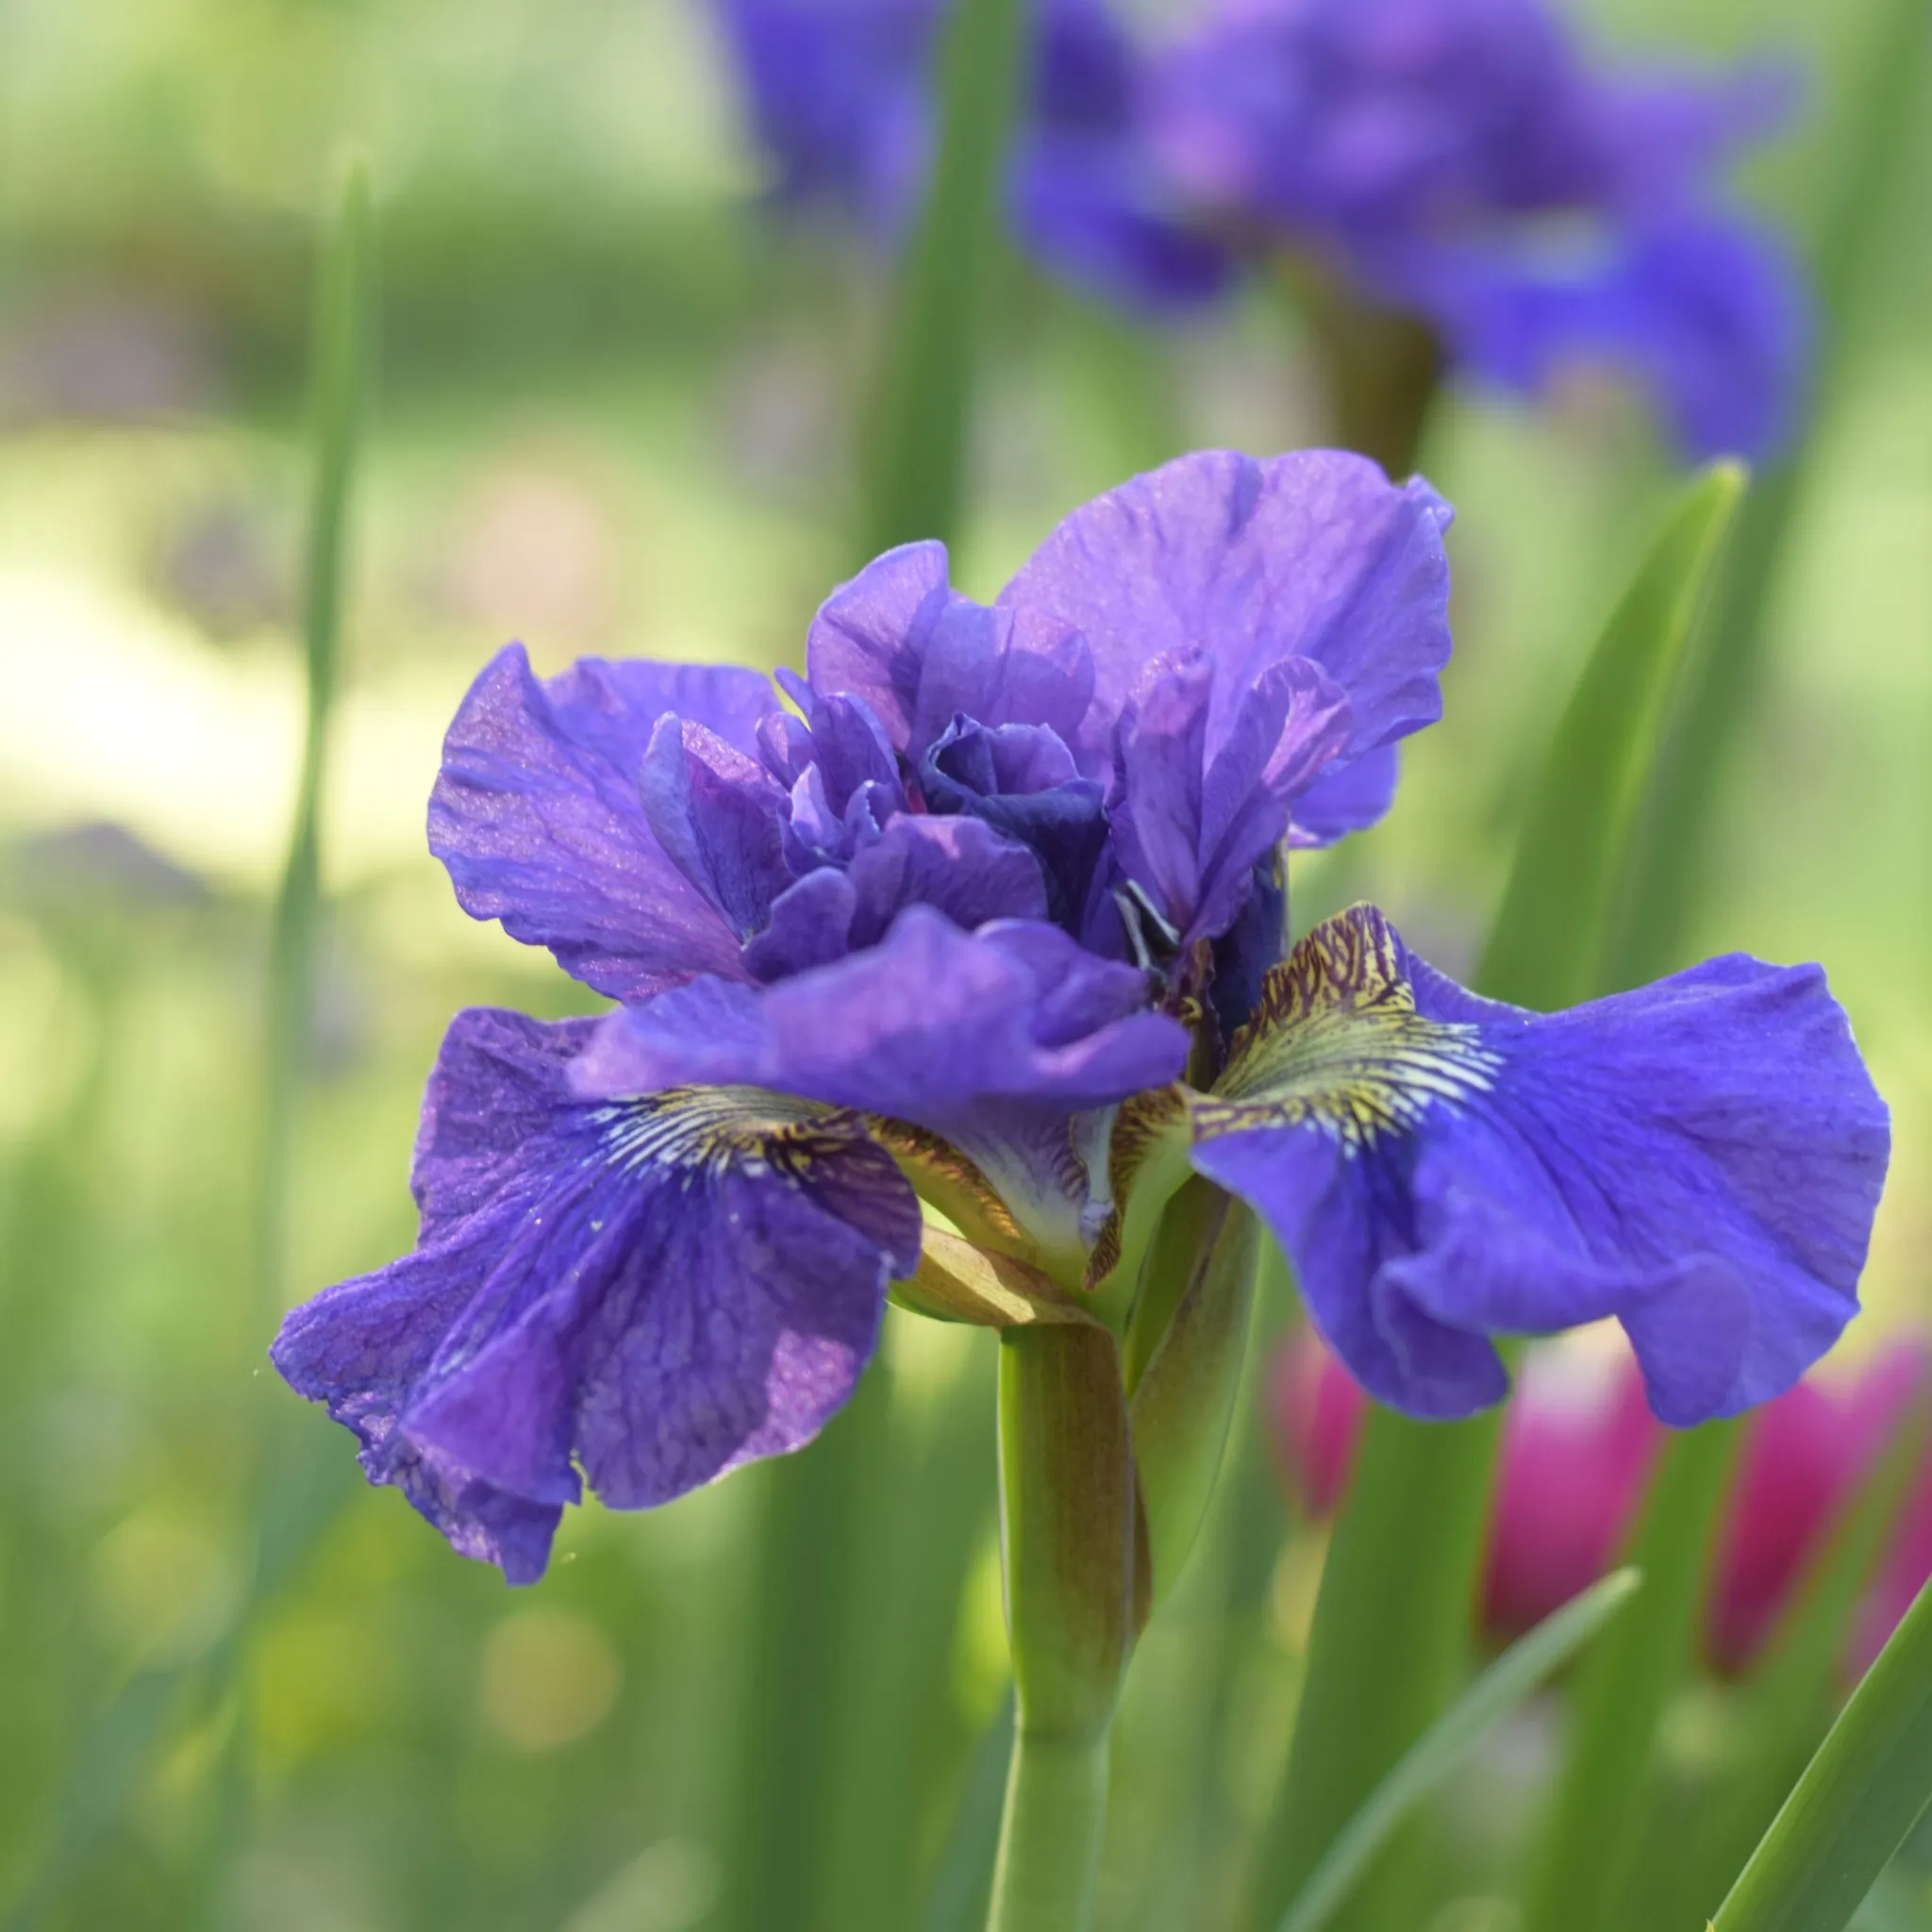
(984, 889)
(841, 95)
(1459, 160)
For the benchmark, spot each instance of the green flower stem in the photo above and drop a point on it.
(1068, 1540)
(1050, 1834)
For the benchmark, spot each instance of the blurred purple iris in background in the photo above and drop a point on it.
(843, 95)
(1461, 161)
(995, 871)
(1458, 162)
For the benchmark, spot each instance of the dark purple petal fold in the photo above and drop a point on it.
(645, 1288)
(717, 816)
(1701, 1159)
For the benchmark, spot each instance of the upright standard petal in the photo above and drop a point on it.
(920, 655)
(647, 1287)
(1190, 829)
(538, 815)
(1701, 1159)
(1312, 555)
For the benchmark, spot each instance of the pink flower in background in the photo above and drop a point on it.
(1906, 1567)
(1316, 1407)
(1578, 1449)
(1803, 1461)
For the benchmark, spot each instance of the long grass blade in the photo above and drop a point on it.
(1546, 947)
(1858, 1798)
(919, 431)
(1527, 1664)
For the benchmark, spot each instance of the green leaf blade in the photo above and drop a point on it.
(1547, 944)
(916, 461)
(1859, 1796)
(1527, 1664)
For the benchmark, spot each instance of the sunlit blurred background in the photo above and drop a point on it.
(614, 414)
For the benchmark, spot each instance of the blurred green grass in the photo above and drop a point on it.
(616, 415)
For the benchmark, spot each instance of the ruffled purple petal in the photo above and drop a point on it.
(1312, 555)
(871, 636)
(920, 655)
(650, 1287)
(922, 1027)
(1701, 1159)
(960, 867)
(536, 814)
(994, 1041)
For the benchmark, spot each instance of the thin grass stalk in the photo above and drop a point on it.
(343, 342)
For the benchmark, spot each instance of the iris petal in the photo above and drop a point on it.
(650, 1287)
(1312, 555)
(1701, 1159)
(537, 815)
(996, 1041)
